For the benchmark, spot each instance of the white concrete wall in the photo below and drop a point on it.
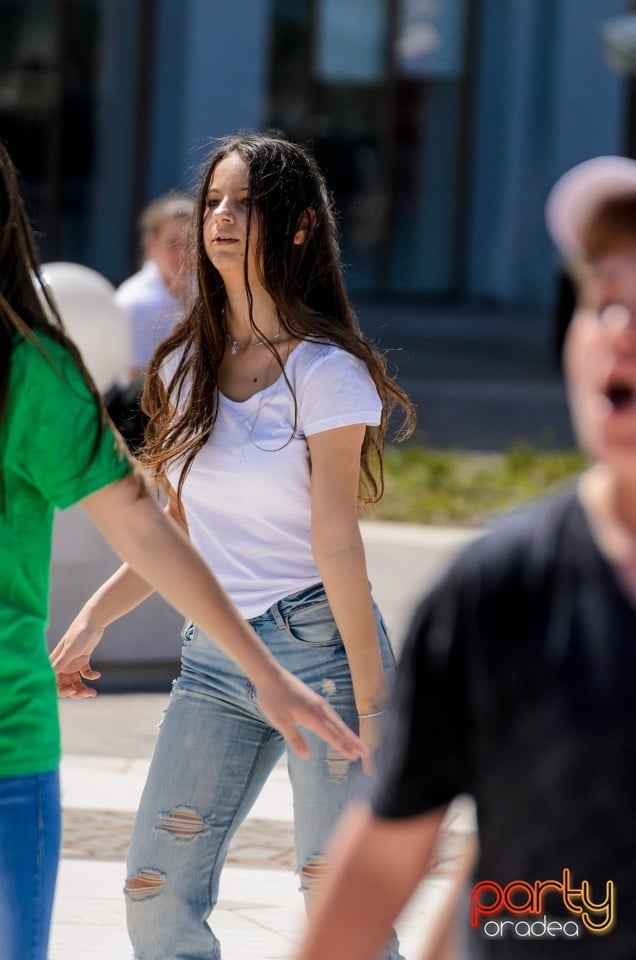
(81, 562)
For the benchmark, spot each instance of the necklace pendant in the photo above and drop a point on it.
(234, 349)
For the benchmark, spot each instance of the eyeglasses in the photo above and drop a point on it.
(616, 316)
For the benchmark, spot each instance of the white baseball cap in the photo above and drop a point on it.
(579, 192)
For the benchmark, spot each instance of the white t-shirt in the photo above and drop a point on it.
(152, 308)
(247, 496)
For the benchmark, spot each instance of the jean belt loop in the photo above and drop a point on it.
(276, 613)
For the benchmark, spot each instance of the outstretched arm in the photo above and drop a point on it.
(376, 865)
(339, 554)
(160, 553)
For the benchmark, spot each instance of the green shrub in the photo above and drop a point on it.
(455, 487)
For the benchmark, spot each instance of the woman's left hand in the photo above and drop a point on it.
(369, 734)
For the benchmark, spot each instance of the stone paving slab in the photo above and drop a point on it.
(105, 835)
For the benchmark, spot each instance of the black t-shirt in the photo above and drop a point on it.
(517, 684)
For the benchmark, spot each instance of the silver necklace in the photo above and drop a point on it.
(238, 347)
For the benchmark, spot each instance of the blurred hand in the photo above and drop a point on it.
(289, 703)
(71, 659)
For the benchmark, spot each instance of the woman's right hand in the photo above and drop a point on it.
(71, 659)
(289, 704)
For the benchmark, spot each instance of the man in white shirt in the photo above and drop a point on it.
(154, 296)
(154, 299)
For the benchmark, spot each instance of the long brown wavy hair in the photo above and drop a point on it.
(22, 313)
(305, 282)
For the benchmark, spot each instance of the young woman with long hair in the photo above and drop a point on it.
(268, 410)
(57, 448)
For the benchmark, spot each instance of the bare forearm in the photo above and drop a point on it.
(124, 591)
(342, 566)
(120, 594)
(375, 867)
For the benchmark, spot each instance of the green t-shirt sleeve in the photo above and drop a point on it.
(58, 420)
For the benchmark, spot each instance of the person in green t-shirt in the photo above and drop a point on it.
(57, 448)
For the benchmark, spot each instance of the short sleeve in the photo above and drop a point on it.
(57, 421)
(423, 758)
(337, 391)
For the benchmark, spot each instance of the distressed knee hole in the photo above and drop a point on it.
(337, 764)
(145, 884)
(328, 688)
(182, 822)
(313, 874)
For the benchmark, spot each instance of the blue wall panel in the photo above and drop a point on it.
(545, 100)
(226, 54)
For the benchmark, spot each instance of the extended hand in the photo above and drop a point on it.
(71, 660)
(289, 703)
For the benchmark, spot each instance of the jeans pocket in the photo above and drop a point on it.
(313, 625)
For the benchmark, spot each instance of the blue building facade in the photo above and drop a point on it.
(441, 124)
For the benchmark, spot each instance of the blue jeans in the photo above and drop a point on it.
(214, 753)
(30, 830)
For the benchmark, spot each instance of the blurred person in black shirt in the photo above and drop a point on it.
(517, 680)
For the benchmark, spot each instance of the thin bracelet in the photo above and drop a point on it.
(370, 716)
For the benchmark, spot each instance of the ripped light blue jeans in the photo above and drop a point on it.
(214, 753)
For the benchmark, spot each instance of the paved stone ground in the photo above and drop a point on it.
(264, 844)
(105, 835)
